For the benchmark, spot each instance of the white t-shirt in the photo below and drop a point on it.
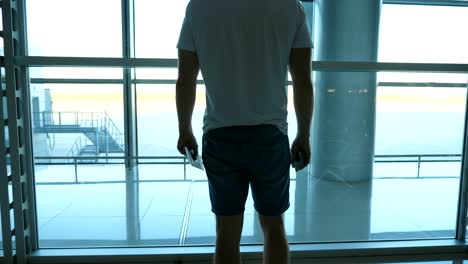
(243, 47)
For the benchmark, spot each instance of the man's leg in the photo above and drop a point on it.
(276, 249)
(228, 234)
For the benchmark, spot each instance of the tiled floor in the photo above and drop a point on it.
(99, 214)
(178, 213)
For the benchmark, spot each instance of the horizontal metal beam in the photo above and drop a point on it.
(421, 2)
(38, 61)
(103, 81)
(335, 66)
(428, 2)
(182, 157)
(351, 66)
(422, 84)
(74, 81)
(357, 252)
(59, 183)
(201, 82)
(111, 157)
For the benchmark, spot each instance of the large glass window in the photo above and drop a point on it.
(86, 196)
(423, 33)
(426, 112)
(157, 27)
(419, 143)
(84, 28)
(78, 144)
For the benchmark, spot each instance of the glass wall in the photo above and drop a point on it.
(78, 140)
(419, 142)
(74, 28)
(79, 131)
(433, 102)
(157, 27)
(423, 33)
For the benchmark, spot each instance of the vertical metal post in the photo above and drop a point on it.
(107, 134)
(463, 196)
(76, 169)
(185, 169)
(419, 164)
(97, 141)
(19, 131)
(131, 151)
(4, 179)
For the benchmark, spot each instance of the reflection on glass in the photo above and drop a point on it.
(74, 28)
(162, 211)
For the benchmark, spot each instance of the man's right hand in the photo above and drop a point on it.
(301, 145)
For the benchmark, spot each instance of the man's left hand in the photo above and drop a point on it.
(188, 140)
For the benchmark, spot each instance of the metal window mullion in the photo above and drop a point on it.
(28, 140)
(462, 200)
(4, 183)
(4, 179)
(131, 184)
(18, 152)
(428, 2)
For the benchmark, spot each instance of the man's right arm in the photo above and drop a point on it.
(300, 69)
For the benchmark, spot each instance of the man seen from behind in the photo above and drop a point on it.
(243, 49)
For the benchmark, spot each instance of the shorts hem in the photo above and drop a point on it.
(273, 213)
(221, 213)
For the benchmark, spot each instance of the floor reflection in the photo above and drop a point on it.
(178, 213)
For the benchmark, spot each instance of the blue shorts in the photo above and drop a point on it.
(235, 157)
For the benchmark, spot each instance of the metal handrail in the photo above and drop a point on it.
(99, 120)
(113, 130)
(419, 158)
(77, 146)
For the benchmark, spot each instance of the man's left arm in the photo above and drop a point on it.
(185, 99)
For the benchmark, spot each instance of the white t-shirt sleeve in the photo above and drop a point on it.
(302, 38)
(186, 41)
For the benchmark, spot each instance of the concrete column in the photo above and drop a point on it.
(343, 130)
(339, 181)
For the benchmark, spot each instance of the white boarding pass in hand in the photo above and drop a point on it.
(198, 163)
